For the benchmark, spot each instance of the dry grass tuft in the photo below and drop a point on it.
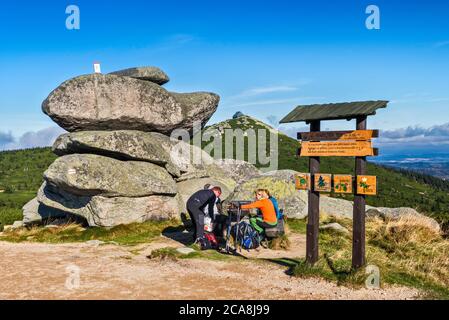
(409, 251)
(280, 243)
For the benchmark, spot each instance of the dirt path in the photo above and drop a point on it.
(39, 271)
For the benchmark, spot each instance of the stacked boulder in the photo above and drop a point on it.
(117, 164)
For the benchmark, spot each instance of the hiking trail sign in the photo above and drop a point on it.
(358, 144)
(337, 149)
(343, 183)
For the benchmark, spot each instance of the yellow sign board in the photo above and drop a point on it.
(338, 135)
(322, 182)
(367, 185)
(337, 149)
(302, 181)
(342, 183)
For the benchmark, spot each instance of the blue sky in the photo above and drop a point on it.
(262, 57)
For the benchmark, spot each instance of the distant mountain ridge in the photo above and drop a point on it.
(436, 164)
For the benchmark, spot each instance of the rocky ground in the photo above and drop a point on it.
(41, 271)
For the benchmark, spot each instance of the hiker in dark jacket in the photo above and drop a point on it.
(195, 206)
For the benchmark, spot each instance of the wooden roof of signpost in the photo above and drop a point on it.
(334, 111)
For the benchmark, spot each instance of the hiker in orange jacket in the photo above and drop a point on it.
(265, 205)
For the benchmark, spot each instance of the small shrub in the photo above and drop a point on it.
(280, 243)
(9, 189)
(164, 254)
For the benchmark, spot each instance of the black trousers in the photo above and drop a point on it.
(221, 222)
(197, 217)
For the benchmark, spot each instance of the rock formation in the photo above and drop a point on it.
(152, 74)
(110, 102)
(117, 164)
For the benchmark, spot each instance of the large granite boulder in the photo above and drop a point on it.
(211, 174)
(209, 171)
(90, 175)
(123, 145)
(101, 211)
(176, 156)
(188, 187)
(238, 170)
(405, 214)
(109, 102)
(152, 74)
(35, 213)
(281, 185)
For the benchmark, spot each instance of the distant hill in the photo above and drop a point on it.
(425, 193)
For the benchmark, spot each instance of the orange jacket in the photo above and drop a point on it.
(267, 208)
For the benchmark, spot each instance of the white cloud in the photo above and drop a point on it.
(292, 131)
(32, 139)
(441, 44)
(180, 39)
(294, 101)
(421, 98)
(410, 138)
(436, 137)
(265, 90)
(6, 138)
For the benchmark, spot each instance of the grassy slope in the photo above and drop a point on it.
(405, 252)
(394, 188)
(20, 177)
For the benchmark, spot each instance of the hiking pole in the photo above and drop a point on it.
(237, 227)
(228, 232)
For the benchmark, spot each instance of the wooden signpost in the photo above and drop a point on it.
(362, 135)
(317, 143)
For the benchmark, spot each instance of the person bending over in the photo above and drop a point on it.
(195, 207)
(218, 218)
(265, 205)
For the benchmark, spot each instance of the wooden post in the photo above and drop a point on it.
(358, 240)
(314, 206)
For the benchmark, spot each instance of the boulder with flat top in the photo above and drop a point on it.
(111, 102)
(152, 74)
(101, 211)
(90, 175)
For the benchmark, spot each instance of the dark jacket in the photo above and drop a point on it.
(199, 200)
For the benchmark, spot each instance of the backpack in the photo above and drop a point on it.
(204, 243)
(279, 214)
(246, 236)
(210, 237)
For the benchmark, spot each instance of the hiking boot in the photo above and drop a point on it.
(186, 222)
(203, 243)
